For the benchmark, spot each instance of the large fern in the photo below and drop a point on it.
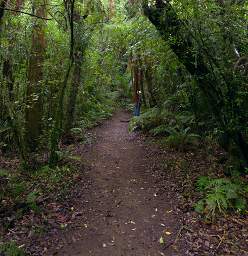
(181, 138)
(220, 195)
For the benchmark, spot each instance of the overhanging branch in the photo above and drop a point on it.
(27, 13)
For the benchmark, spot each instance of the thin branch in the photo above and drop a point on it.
(30, 14)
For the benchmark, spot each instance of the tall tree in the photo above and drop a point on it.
(35, 75)
(78, 54)
(82, 34)
(219, 87)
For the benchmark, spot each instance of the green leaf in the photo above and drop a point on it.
(161, 240)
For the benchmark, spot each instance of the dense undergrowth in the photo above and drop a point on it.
(24, 193)
(226, 193)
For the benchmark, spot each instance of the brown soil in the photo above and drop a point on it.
(121, 212)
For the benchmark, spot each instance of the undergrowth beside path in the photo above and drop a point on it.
(121, 194)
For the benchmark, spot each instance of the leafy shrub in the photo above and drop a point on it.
(76, 131)
(162, 122)
(220, 195)
(160, 130)
(147, 121)
(19, 194)
(181, 139)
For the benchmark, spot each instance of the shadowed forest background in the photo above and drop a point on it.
(65, 66)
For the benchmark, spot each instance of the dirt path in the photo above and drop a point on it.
(123, 215)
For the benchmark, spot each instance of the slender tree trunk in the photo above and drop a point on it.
(78, 55)
(135, 80)
(57, 129)
(149, 84)
(141, 81)
(3, 4)
(111, 8)
(76, 81)
(8, 75)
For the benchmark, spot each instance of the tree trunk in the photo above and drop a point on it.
(111, 8)
(149, 84)
(35, 75)
(8, 75)
(76, 81)
(3, 4)
(141, 81)
(135, 80)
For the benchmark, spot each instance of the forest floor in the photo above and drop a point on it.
(130, 197)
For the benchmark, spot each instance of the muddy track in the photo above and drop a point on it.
(122, 215)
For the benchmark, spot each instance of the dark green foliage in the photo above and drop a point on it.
(220, 195)
(174, 127)
(209, 57)
(149, 120)
(11, 249)
(31, 200)
(182, 139)
(21, 194)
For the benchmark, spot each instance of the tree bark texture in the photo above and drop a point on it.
(35, 75)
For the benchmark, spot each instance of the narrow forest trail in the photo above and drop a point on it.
(123, 214)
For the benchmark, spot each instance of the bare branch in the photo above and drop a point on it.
(27, 13)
